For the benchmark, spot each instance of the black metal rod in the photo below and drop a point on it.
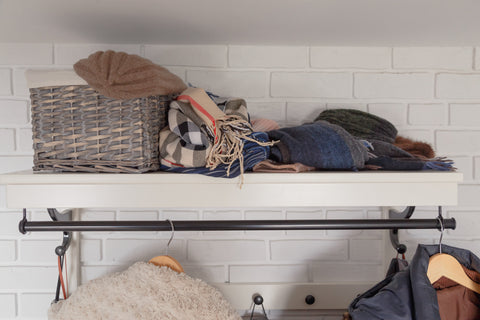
(230, 225)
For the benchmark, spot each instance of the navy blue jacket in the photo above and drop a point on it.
(408, 294)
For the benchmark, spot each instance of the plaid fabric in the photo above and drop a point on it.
(252, 155)
(184, 143)
(187, 140)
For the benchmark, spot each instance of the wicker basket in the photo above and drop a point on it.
(76, 129)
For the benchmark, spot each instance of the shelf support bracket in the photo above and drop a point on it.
(61, 250)
(395, 214)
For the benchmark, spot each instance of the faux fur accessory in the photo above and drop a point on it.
(419, 149)
(144, 292)
(121, 75)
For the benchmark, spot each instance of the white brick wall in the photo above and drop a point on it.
(307, 250)
(270, 110)
(432, 114)
(430, 94)
(477, 168)
(5, 82)
(351, 57)
(454, 58)
(7, 251)
(267, 57)
(395, 112)
(68, 54)
(468, 196)
(311, 84)
(26, 54)
(33, 305)
(226, 250)
(299, 112)
(338, 272)
(28, 278)
(464, 114)
(274, 273)
(394, 85)
(245, 84)
(194, 56)
(459, 86)
(7, 140)
(458, 142)
(8, 304)
(13, 112)
(465, 165)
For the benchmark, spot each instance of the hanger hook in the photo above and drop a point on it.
(442, 228)
(171, 236)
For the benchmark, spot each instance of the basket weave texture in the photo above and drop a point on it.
(78, 130)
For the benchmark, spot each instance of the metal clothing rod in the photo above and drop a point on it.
(224, 225)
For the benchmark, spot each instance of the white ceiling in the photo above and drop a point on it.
(268, 22)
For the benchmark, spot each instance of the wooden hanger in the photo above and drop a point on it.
(166, 260)
(445, 265)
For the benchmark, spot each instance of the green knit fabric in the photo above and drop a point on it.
(361, 124)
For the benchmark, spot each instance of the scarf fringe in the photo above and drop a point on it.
(228, 147)
(441, 164)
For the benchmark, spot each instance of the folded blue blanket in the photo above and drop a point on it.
(321, 144)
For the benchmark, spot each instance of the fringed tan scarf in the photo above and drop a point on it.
(229, 131)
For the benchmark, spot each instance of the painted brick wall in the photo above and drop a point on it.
(430, 94)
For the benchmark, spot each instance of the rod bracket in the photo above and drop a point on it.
(65, 215)
(395, 214)
(23, 222)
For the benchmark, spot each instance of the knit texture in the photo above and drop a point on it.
(360, 124)
(121, 75)
(320, 144)
(144, 292)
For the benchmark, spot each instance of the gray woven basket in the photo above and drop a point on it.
(78, 130)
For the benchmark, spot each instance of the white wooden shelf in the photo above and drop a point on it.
(27, 189)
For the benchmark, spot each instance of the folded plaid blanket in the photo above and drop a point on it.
(184, 143)
(201, 134)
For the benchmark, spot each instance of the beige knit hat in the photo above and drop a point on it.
(121, 75)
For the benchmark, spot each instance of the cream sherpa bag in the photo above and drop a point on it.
(143, 292)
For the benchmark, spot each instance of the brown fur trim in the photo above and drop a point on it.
(417, 148)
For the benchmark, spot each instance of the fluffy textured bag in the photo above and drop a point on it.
(144, 292)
